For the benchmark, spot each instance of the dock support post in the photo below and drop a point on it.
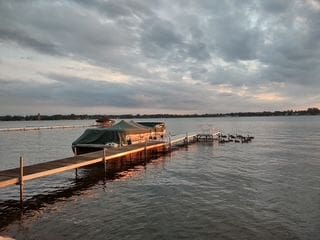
(145, 153)
(21, 182)
(187, 139)
(170, 145)
(104, 162)
(75, 156)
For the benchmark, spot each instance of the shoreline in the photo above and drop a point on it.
(161, 116)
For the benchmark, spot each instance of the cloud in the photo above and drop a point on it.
(275, 6)
(159, 56)
(24, 40)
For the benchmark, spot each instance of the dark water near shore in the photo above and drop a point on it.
(268, 189)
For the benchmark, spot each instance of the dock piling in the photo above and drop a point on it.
(145, 153)
(187, 140)
(104, 162)
(75, 156)
(142, 151)
(21, 183)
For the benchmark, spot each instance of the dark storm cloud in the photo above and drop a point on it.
(121, 8)
(293, 55)
(70, 91)
(235, 77)
(233, 39)
(27, 41)
(74, 30)
(159, 39)
(169, 50)
(276, 6)
(98, 92)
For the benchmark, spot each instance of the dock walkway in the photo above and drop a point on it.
(12, 177)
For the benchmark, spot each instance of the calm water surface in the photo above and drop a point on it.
(268, 189)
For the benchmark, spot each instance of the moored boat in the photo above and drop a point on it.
(121, 134)
(105, 122)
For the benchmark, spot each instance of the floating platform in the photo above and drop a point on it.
(206, 137)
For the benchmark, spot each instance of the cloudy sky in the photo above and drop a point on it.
(150, 56)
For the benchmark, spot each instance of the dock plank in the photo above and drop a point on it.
(11, 176)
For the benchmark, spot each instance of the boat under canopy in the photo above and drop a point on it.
(121, 134)
(158, 127)
(105, 122)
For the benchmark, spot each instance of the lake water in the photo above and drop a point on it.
(267, 189)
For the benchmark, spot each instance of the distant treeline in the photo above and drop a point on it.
(309, 111)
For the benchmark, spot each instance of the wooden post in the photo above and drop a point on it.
(104, 162)
(170, 145)
(164, 148)
(187, 139)
(21, 182)
(75, 156)
(145, 153)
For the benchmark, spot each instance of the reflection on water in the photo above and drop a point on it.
(119, 169)
(268, 189)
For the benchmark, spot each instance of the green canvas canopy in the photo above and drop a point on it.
(140, 125)
(100, 136)
(150, 124)
(130, 127)
(117, 134)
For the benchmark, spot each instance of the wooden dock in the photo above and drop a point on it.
(139, 153)
(205, 137)
(18, 176)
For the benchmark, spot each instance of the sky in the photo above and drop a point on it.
(152, 56)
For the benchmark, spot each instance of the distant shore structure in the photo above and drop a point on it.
(308, 112)
(105, 122)
(44, 127)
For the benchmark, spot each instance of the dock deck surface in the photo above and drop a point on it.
(12, 176)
